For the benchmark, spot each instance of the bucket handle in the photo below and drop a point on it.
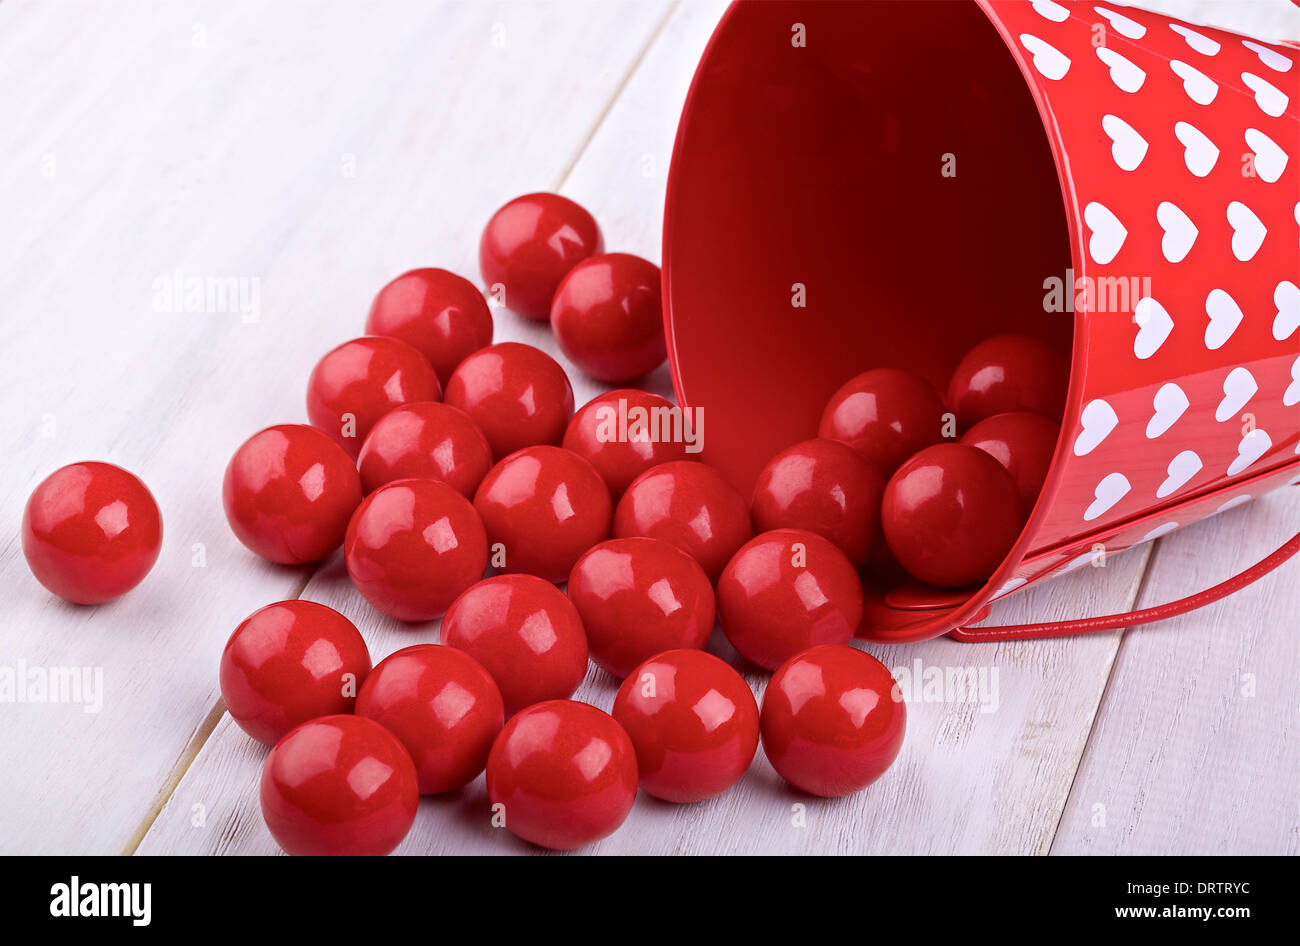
(1131, 618)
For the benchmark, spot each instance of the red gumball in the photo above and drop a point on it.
(625, 432)
(886, 415)
(339, 785)
(951, 515)
(608, 318)
(413, 546)
(518, 395)
(442, 706)
(693, 721)
(360, 381)
(639, 597)
(832, 720)
(825, 487)
(91, 532)
(564, 774)
(785, 591)
(425, 440)
(529, 245)
(1009, 373)
(542, 508)
(691, 506)
(442, 315)
(290, 662)
(1023, 443)
(289, 492)
(525, 633)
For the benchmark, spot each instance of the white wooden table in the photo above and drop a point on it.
(316, 150)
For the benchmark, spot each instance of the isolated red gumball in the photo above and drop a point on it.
(1023, 443)
(289, 492)
(691, 506)
(832, 720)
(639, 597)
(425, 440)
(442, 315)
(442, 706)
(91, 532)
(525, 633)
(886, 415)
(360, 381)
(785, 591)
(693, 721)
(951, 514)
(529, 245)
(608, 317)
(826, 487)
(518, 395)
(413, 546)
(542, 508)
(625, 432)
(290, 662)
(1009, 373)
(339, 785)
(565, 774)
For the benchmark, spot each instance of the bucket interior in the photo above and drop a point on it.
(823, 166)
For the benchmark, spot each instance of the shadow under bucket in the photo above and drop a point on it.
(926, 175)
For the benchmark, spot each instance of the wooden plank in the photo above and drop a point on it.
(313, 151)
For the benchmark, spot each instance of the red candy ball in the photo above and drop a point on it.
(413, 546)
(360, 381)
(1009, 373)
(691, 506)
(526, 634)
(825, 487)
(608, 318)
(289, 492)
(442, 706)
(639, 597)
(425, 440)
(832, 720)
(1023, 443)
(440, 314)
(339, 785)
(290, 662)
(565, 774)
(625, 432)
(886, 415)
(91, 532)
(544, 506)
(518, 395)
(951, 514)
(529, 245)
(786, 591)
(693, 721)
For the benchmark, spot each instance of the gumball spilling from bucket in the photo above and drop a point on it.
(608, 318)
(1023, 443)
(425, 440)
(886, 415)
(518, 395)
(440, 314)
(625, 432)
(1009, 373)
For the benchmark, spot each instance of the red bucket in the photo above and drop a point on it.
(936, 173)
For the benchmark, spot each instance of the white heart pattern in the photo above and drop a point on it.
(1287, 299)
(1050, 62)
(1253, 446)
(1128, 148)
(1126, 76)
(1238, 388)
(1225, 316)
(1199, 152)
(1199, 87)
(1181, 469)
(1180, 232)
(1292, 393)
(1234, 502)
(1051, 11)
(1163, 529)
(1248, 231)
(1107, 232)
(1199, 42)
(1096, 421)
(1270, 99)
(1270, 159)
(1154, 326)
(1112, 488)
(1169, 403)
(1122, 24)
(1269, 57)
